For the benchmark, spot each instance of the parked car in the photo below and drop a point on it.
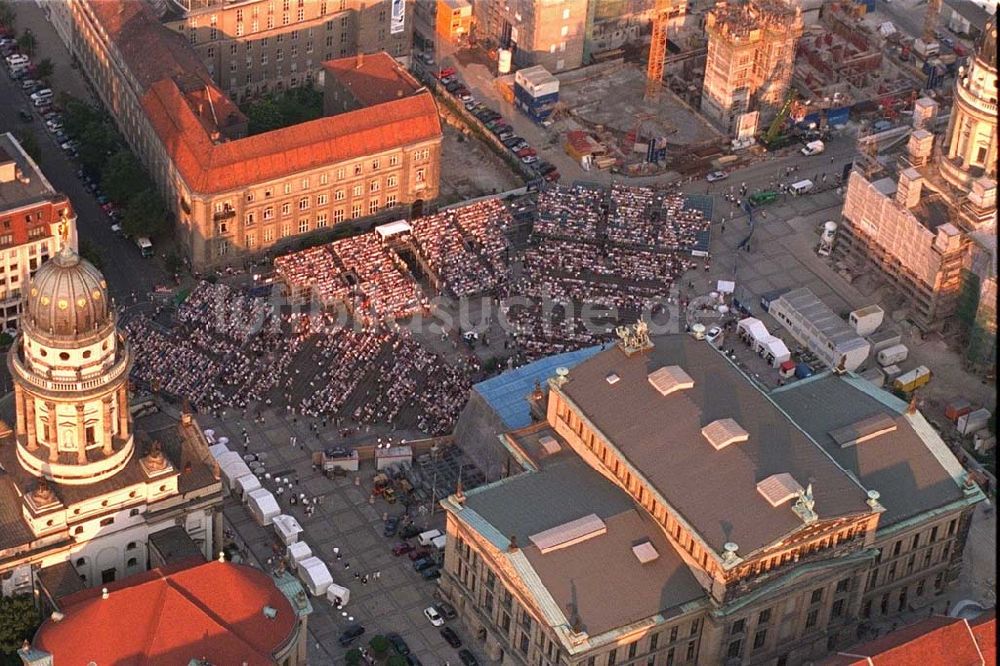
(433, 616)
(526, 152)
(30, 85)
(468, 659)
(409, 532)
(60, 137)
(423, 563)
(401, 548)
(446, 72)
(466, 97)
(470, 104)
(54, 125)
(544, 167)
(552, 177)
(431, 573)
(351, 634)
(446, 610)
(426, 58)
(504, 133)
(529, 159)
(453, 86)
(511, 141)
(398, 644)
(716, 175)
(391, 525)
(449, 635)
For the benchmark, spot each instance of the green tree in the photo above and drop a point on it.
(264, 116)
(8, 16)
(18, 622)
(30, 144)
(379, 645)
(77, 114)
(123, 176)
(145, 214)
(353, 657)
(396, 660)
(27, 42)
(91, 254)
(45, 69)
(97, 142)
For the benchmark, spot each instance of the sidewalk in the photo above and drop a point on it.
(64, 78)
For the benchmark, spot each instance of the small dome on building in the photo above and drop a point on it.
(68, 297)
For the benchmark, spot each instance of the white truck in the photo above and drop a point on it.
(427, 538)
(892, 355)
(813, 148)
(145, 246)
(801, 187)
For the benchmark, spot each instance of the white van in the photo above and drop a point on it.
(813, 148)
(801, 187)
(145, 246)
(17, 59)
(425, 538)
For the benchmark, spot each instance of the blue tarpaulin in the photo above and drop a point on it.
(507, 393)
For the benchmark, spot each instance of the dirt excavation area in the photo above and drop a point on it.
(470, 169)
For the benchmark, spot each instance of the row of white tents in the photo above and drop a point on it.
(241, 482)
(753, 331)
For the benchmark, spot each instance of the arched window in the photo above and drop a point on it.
(132, 545)
(132, 562)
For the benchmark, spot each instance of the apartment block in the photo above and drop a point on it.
(31, 216)
(550, 33)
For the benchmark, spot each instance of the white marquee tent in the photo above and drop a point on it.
(315, 575)
(263, 506)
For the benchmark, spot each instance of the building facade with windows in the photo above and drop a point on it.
(234, 194)
(83, 490)
(550, 33)
(663, 510)
(256, 46)
(31, 212)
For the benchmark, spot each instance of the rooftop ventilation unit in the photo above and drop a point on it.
(723, 432)
(613, 379)
(670, 378)
(863, 430)
(549, 445)
(569, 534)
(779, 488)
(270, 613)
(645, 552)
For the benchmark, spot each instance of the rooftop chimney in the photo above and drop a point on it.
(909, 187)
(104, 593)
(512, 547)
(912, 407)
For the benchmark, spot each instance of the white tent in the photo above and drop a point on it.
(246, 484)
(217, 450)
(228, 458)
(725, 286)
(263, 506)
(315, 575)
(753, 330)
(297, 552)
(287, 528)
(393, 228)
(337, 595)
(233, 470)
(775, 346)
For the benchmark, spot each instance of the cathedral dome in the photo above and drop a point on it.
(68, 297)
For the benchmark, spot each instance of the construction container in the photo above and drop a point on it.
(884, 338)
(875, 376)
(892, 355)
(973, 421)
(912, 380)
(866, 320)
(891, 372)
(536, 92)
(957, 408)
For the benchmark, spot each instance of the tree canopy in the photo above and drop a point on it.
(18, 622)
(145, 214)
(123, 177)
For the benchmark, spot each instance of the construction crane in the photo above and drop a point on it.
(931, 20)
(775, 129)
(657, 50)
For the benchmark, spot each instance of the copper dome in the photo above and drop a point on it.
(68, 297)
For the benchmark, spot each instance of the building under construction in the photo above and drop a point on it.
(751, 49)
(933, 240)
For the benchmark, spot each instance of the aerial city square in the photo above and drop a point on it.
(521, 332)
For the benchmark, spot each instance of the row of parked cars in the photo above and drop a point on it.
(496, 125)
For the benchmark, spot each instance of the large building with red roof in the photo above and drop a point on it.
(235, 194)
(936, 641)
(207, 613)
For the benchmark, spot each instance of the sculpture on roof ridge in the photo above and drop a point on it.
(804, 505)
(634, 338)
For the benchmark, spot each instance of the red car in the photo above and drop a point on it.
(448, 71)
(552, 176)
(401, 548)
(524, 152)
(415, 555)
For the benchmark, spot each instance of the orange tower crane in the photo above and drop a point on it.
(931, 20)
(657, 50)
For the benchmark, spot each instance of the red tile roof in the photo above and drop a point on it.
(373, 79)
(209, 167)
(169, 616)
(936, 641)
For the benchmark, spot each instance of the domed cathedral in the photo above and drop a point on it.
(85, 498)
(970, 144)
